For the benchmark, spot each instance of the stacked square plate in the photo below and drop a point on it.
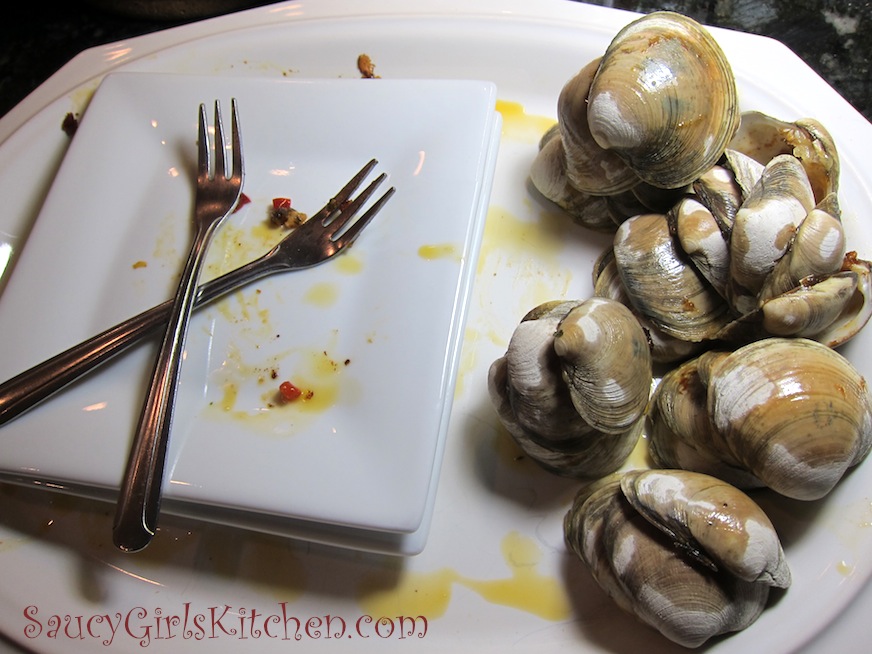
(373, 337)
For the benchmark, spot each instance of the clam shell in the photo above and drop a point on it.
(764, 227)
(664, 98)
(680, 434)
(857, 312)
(720, 192)
(811, 307)
(764, 137)
(637, 565)
(700, 236)
(793, 412)
(527, 382)
(712, 519)
(664, 348)
(534, 404)
(589, 167)
(831, 309)
(548, 176)
(745, 169)
(818, 248)
(662, 283)
(606, 363)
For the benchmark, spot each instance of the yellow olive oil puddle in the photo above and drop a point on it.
(640, 457)
(522, 243)
(440, 251)
(348, 262)
(429, 593)
(468, 359)
(518, 125)
(165, 250)
(322, 294)
(844, 568)
(243, 308)
(528, 252)
(849, 523)
(81, 96)
(319, 379)
(250, 393)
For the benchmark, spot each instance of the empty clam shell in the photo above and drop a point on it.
(589, 167)
(664, 98)
(664, 347)
(548, 176)
(680, 434)
(818, 248)
(700, 236)
(536, 398)
(764, 137)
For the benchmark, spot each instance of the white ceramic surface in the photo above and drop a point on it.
(496, 538)
(363, 451)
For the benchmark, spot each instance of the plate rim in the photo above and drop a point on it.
(585, 8)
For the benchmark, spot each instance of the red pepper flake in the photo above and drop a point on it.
(289, 392)
(281, 209)
(243, 200)
(283, 215)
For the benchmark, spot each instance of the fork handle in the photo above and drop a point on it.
(29, 388)
(140, 493)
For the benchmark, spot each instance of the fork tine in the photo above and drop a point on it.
(219, 167)
(203, 155)
(340, 198)
(350, 235)
(349, 209)
(235, 139)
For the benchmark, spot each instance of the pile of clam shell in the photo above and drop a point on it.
(690, 555)
(729, 269)
(728, 225)
(573, 385)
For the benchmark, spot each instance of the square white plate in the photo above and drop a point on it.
(374, 334)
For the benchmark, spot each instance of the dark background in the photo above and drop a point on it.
(834, 37)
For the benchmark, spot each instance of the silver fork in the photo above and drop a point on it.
(29, 388)
(218, 191)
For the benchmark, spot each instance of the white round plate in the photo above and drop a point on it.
(495, 574)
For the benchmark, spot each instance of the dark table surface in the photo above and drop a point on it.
(833, 36)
